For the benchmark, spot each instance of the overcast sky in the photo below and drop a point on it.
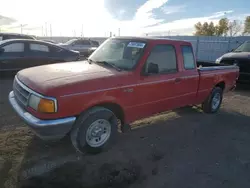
(98, 17)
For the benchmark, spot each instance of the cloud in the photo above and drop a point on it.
(91, 17)
(173, 9)
(144, 14)
(6, 20)
(143, 17)
(185, 26)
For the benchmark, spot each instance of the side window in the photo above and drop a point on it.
(165, 57)
(82, 42)
(188, 57)
(14, 47)
(39, 47)
(85, 42)
(95, 43)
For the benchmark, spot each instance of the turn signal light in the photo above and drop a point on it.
(46, 106)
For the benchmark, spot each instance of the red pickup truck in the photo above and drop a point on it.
(125, 79)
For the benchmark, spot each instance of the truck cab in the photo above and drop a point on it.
(123, 80)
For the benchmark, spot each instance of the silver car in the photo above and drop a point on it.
(81, 45)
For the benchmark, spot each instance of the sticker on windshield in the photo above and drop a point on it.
(136, 45)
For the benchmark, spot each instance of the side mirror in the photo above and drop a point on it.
(153, 68)
(1, 50)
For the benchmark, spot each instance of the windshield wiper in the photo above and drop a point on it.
(109, 64)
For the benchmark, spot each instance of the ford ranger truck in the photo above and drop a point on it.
(123, 80)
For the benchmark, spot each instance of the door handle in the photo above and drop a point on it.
(177, 80)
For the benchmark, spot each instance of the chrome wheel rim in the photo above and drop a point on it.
(216, 101)
(98, 133)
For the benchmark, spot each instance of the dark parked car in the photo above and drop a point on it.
(241, 57)
(84, 46)
(17, 54)
(49, 40)
(6, 36)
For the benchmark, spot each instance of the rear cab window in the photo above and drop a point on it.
(164, 56)
(188, 57)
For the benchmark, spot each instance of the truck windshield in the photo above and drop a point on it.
(122, 53)
(245, 47)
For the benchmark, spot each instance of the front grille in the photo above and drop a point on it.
(21, 94)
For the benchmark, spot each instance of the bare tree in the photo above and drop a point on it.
(234, 28)
(247, 26)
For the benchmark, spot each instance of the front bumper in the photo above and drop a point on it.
(45, 129)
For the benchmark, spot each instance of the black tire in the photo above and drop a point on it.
(207, 105)
(78, 133)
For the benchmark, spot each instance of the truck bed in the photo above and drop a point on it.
(212, 74)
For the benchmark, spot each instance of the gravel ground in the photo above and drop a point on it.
(181, 148)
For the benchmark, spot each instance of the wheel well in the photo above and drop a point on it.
(221, 85)
(116, 109)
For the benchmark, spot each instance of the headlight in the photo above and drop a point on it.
(44, 105)
(34, 101)
(218, 60)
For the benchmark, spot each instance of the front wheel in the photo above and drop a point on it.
(94, 130)
(213, 102)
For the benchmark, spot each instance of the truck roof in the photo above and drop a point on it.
(146, 39)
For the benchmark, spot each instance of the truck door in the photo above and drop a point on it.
(156, 86)
(189, 79)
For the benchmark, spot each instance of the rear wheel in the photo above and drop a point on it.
(213, 102)
(95, 130)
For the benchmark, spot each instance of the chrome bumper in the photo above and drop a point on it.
(45, 129)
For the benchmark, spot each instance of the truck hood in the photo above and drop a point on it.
(57, 79)
(237, 55)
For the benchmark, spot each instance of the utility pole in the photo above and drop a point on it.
(50, 31)
(119, 31)
(82, 31)
(46, 34)
(21, 28)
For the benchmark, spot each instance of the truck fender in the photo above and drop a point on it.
(108, 100)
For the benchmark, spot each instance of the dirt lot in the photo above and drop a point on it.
(183, 148)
